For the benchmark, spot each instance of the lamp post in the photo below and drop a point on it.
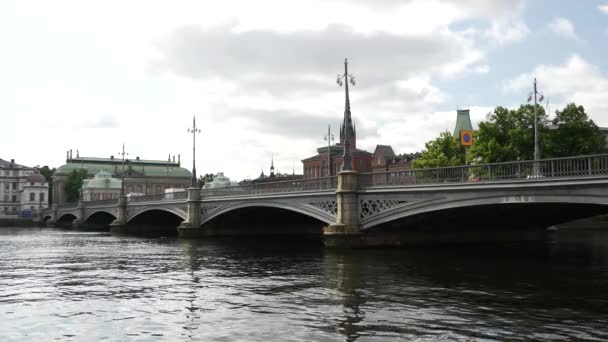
(122, 182)
(347, 164)
(534, 94)
(194, 130)
(329, 138)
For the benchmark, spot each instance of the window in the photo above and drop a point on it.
(6, 187)
(32, 196)
(15, 172)
(42, 197)
(5, 198)
(14, 198)
(6, 210)
(13, 209)
(14, 186)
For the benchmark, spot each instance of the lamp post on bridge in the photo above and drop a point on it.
(329, 138)
(534, 94)
(191, 225)
(121, 218)
(194, 130)
(347, 126)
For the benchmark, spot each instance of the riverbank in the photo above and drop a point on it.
(16, 222)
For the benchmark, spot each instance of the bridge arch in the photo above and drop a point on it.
(96, 212)
(134, 214)
(66, 219)
(305, 209)
(100, 217)
(599, 202)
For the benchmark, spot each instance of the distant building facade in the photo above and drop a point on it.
(101, 187)
(23, 190)
(140, 176)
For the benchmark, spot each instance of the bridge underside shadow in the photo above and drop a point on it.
(263, 221)
(151, 222)
(65, 221)
(494, 222)
(100, 219)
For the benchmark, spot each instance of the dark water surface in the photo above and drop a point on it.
(87, 286)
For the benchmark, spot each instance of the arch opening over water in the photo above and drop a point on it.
(263, 220)
(65, 220)
(154, 221)
(491, 216)
(100, 218)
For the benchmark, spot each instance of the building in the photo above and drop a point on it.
(140, 176)
(463, 122)
(102, 187)
(384, 160)
(219, 181)
(272, 176)
(23, 190)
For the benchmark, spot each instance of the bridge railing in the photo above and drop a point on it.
(296, 185)
(584, 166)
(67, 205)
(101, 202)
(159, 197)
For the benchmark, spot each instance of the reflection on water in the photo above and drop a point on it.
(66, 285)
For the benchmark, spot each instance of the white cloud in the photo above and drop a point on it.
(258, 75)
(574, 81)
(603, 8)
(507, 31)
(563, 27)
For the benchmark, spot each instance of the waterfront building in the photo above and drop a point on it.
(23, 190)
(140, 176)
(219, 181)
(463, 122)
(101, 187)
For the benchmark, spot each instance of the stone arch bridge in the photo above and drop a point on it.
(352, 206)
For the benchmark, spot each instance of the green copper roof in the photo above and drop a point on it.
(463, 122)
(103, 180)
(148, 168)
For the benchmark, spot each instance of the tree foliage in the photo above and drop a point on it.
(73, 184)
(443, 151)
(202, 180)
(48, 173)
(574, 134)
(508, 135)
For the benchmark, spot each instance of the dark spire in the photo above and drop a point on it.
(347, 132)
(272, 165)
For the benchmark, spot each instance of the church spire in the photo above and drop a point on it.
(347, 131)
(272, 165)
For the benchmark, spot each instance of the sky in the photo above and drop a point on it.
(260, 76)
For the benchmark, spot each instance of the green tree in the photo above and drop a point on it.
(508, 135)
(202, 180)
(574, 134)
(73, 184)
(48, 173)
(443, 151)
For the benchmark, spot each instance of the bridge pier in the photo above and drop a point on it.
(121, 217)
(191, 226)
(346, 231)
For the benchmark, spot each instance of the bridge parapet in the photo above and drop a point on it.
(297, 185)
(528, 170)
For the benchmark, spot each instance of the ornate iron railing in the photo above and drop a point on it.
(101, 202)
(67, 205)
(296, 185)
(159, 197)
(529, 170)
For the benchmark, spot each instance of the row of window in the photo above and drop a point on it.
(8, 186)
(9, 172)
(12, 210)
(13, 198)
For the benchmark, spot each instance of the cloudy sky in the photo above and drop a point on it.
(260, 75)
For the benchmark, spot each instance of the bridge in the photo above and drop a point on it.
(356, 209)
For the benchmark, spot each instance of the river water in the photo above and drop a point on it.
(89, 286)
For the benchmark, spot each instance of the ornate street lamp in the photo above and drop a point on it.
(122, 182)
(347, 164)
(194, 130)
(329, 138)
(536, 171)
